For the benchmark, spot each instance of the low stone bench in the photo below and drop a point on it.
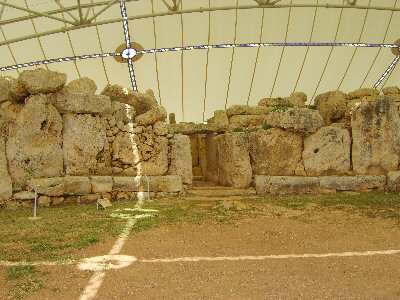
(281, 185)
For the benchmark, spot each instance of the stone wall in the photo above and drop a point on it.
(53, 132)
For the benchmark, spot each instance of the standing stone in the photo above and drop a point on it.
(376, 137)
(212, 174)
(221, 118)
(34, 142)
(181, 158)
(5, 179)
(5, 88)
(275, 152)
(158, 163)
(234, 160)
(85, 144)
(202, 154)
(327, 152)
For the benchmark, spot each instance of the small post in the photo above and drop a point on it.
(35, 206)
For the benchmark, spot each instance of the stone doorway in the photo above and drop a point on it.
(199, 156)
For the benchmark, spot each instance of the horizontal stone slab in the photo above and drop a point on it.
(353, 183)
(169, 183)
(191, 128)
(281, 185)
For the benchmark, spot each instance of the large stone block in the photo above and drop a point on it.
(302, 120)
(157, 165)
(221, 118)
(353, 183)
(77, 185)
(78, 97)
(181, 158)
(393, 181)
(5, 179)
(53, 187)
(246, 110)
(376, 137)
(281, 185)
(275, 152)
(168, 183)
(101, 184)
(152, 116)
(212, 173)
(331, 105)
(85, 144)
(42, 81)
(5, 88)
(247, 120)
(327, 152)
(234, 160)
(34, 142)
(125, 148)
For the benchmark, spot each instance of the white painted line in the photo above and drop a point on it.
(93, 286)
(265, 257)
(106, 262)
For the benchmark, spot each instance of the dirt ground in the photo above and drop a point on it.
(369, 277)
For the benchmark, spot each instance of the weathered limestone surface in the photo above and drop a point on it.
(101, 184)
(376, 137)
(296, 99)
(393, 181)
(212, 173)
(362, 92)
(331, 105)
(152, 116)
(158, 163)
(221, 118)
(275, 152)
(191, 128)
(353, 183)
(327, 152)
(247, 120)
(141, 102)
(5, 88)
(181, 158)
(202, 155)
(390, 90)
(160, 128)
(125, 148)
(34, 142)
(85, 144)
(169, 183)
(281, 185)
(234, 160)
(53, 187)
(5, 179)
(301, 120)
(78, 97)
(42, 81)
(247, 110)
(77, 185)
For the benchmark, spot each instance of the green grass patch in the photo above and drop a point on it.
(18, 272)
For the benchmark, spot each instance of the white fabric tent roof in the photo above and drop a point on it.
(227, 78)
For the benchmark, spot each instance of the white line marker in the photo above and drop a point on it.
(265, 257)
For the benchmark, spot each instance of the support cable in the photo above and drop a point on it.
(101, 49)
(355, 51)
(182, 70)
(308, 48)
(208, 53)
(329, 56)
(257, 55)
(233, 55)
(379, 51)
(387, 73)
(39, 41)
(155, 54)
(283, 51)
(4, 36)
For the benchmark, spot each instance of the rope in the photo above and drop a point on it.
(283, 51)
(101, 46)
(40, 43)
(330, 54)
(182, 69)
(258, 53)
(308, 48)
(208, 52)
(355, 51)
(155, 54)
(379, 51)
(233, 55)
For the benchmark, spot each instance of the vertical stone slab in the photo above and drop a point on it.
(376, 137)
(212, 158)
(275, 152)
(5, 179)
(234, 160)
(181, 158)
(85, 144)
(34, 142)
(202, 154)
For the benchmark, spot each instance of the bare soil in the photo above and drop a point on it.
(293, 232)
